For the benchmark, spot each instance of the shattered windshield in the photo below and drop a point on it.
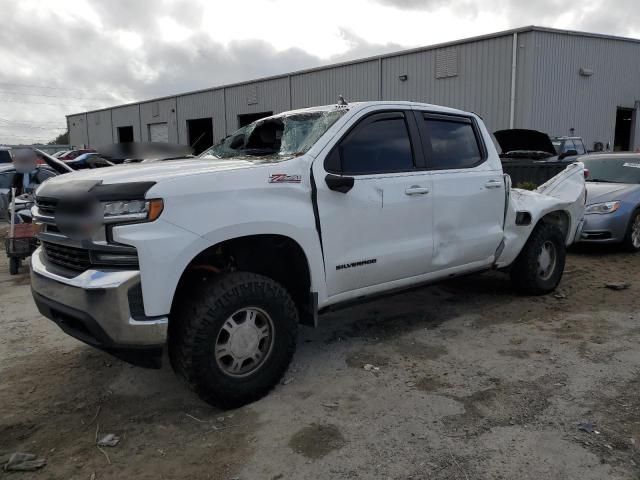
(276, 138)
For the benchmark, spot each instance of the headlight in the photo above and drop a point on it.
(132, 211)
(600, 208)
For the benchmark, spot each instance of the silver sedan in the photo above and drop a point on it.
(612, 213)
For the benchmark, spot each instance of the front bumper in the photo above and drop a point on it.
(96, 307)
(608, 228)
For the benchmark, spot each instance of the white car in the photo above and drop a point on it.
(221, 257)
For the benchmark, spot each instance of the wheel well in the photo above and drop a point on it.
(275, 256)
(560, 219)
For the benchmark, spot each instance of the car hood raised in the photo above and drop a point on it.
(604, 192)
(520, 139)
(153, 172)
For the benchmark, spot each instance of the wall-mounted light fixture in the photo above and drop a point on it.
(586, 72)
(403, 78)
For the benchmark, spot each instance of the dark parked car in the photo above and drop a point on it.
(88, 160)
(568, 145)
(70, 155)
(612, 214)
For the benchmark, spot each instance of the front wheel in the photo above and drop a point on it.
(539, 267)
(632, 237)
(234, 338)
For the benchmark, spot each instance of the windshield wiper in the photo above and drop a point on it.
(601, 180)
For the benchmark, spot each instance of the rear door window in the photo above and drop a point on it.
(380, 143)
(451, 142)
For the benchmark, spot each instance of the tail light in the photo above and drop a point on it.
(586, 173)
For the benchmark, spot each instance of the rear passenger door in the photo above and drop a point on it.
(374, 203)
(468, 191)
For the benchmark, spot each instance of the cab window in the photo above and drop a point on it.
(451, 142)
(380, 143)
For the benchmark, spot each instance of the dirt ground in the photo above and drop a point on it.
(474, 382)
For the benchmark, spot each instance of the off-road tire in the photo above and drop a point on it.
(14, 265)
(525, 271)
(627, 243)
(198, 321)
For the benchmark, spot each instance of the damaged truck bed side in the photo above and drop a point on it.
(219, 258)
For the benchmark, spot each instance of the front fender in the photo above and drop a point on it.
(165, 250)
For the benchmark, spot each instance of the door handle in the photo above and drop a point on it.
(493, 184)
(416, 190)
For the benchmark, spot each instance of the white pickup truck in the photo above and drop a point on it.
(221, 257)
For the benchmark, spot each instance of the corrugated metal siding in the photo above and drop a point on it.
(359, 82)
(563, 99)
(99, 124)
(78, 130)
(201, 105)
(125, 117)
(162, 111)
(525, 62)
(482, 85)
(550, 94)
(255, 97)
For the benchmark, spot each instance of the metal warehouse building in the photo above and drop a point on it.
(559, 82)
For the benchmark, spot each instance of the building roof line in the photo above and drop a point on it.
(451, 43)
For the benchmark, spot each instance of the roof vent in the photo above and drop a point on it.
(447, 62)
(586, 72)
(252, 95)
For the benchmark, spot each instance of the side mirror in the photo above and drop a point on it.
(568, 153)
(338, 183)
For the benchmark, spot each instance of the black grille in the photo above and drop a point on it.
(136, 303)
(47, 205)
(68, 257)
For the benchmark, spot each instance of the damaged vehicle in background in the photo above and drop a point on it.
(48, 169)
(612, 214)
(221, 257)
(525, 144)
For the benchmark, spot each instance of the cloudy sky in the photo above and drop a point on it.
(66, 56)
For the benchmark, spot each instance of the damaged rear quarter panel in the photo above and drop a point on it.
(565, 192)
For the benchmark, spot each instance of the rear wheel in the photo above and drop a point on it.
(539, 267)
(632, 238)
(234, 338)
(14, 265)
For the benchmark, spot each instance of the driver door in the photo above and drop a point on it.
(380, 228)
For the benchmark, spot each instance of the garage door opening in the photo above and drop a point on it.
(159, 132)
(200, 134)
(622, 140)
(125, 134)
(247, 118)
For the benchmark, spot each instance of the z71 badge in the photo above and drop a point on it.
(284, 178)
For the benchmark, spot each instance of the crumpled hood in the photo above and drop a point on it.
(604, 192)
(520, 139)
(153, 172)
